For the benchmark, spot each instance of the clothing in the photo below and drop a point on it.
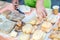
(32, 3)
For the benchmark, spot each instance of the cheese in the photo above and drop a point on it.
(46, 26)
(13, 34)
(38, 35)
(27, 28)
(24, 36)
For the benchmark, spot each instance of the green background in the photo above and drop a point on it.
(32, 3)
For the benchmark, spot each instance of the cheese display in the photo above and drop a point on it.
(38, 35)
(46, 26)
(27, 28)
(24, 36)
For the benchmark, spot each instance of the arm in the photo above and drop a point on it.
(40, 9)
(8, 7)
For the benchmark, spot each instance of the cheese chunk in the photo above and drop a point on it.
(27, 28)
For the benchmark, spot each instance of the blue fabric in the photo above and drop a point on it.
(21, 2)
(55, 2)
(9, 1)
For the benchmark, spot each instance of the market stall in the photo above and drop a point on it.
(17, 26)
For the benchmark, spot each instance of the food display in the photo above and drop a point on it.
(29, 27)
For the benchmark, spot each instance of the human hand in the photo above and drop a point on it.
(8, 6)
(41, 12)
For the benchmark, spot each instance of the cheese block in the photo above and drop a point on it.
(27, 28)
(38, 35)
(24, 36)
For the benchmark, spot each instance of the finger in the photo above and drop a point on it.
(39, 14)
(44, 15)
(45, 12)
(40, 18)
